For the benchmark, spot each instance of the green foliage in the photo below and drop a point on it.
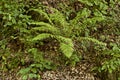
(114, 62)
(50, 31)
(42, 14)
(26, 73)
(17, 25)
(32, 71)
(45, 27)
(27, 27)
(93, 40)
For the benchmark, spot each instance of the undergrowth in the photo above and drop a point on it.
(88, 30)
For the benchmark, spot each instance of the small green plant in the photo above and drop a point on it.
(28, 73)
(39, 64)
(114, 62)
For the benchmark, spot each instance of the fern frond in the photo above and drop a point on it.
(92, 21)
(84, 13)
(66, 50)
(58, 17)
(87, 2)
(93, 40)
(39, 23)
(42, 13)
(42, 36)
(66, 46)
(45, 27)
(59, 20)
(65, 40)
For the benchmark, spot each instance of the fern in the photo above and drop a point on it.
(39, 23)
(66, 44)
(58, 17)
(65, 40)
(93, 40)
(42, 13)
(45, 27)
(84, 13)
(42, 36)
(60, 22)
(66, 49)
(87, 2)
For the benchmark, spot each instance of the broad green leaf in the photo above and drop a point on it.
(24, 71)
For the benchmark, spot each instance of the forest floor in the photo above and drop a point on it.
(82, 71)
